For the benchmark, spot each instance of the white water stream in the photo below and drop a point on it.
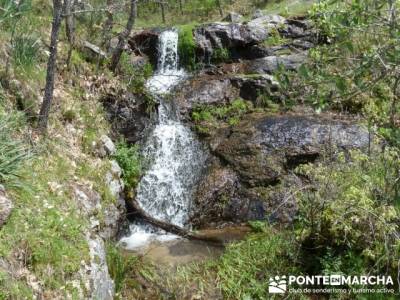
(177, 158)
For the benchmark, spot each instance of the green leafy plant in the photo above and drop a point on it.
(353, 195)
(129, 159)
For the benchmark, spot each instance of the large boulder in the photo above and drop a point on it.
(262, 148)
(254, 179)
(219, 90)
(228, 36)
(6, 206)
(269, 64)
(205, 90)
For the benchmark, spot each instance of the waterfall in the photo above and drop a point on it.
(176, 156)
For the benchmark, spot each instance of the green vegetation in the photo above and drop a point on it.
(44, 234)
(208, 117)
(352, 195)
(274, 39)
(129, 159)
(187, 47)
(13, 151)
(220, 55)
(244, 270)
(120, 267)
(357, 72)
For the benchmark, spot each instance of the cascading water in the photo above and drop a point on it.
(166, 190)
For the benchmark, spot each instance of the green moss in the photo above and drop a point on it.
(187, 47)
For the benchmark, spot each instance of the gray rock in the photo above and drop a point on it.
(228, 36)
(207, 90)
(233, 17)
(257, 14)
(268, 21)
(113, 179)
(6, 206)
(217, 186)
(105, 146)
(145, 42)
(102, 285)
(251, 87)
(270, 64)
(88, 200)
(254, 180)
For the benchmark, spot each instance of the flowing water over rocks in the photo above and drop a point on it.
(177, 158)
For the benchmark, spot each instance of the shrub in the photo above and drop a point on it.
(129, 159)
(230, 113)
(351, 211)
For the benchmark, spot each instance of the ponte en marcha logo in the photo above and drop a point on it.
(330, 284)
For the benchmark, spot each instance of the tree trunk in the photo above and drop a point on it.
(221, 12)
(51, 66)
(108, 25)
(171, 228)
(69, 28)
(162, 5)
(181, 7)
(123, 37)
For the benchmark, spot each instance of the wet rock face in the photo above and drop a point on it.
(214, 190)
(5, 206)
(127, 114)
(261, 149)
(257, 156)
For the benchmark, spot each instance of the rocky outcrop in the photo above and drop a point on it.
(269, 64)
(227, 36)
(6, 206)
(262, 147)
(247, 40)
(220, 90)
(254, 175)
(205, 90)
(233, 17)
